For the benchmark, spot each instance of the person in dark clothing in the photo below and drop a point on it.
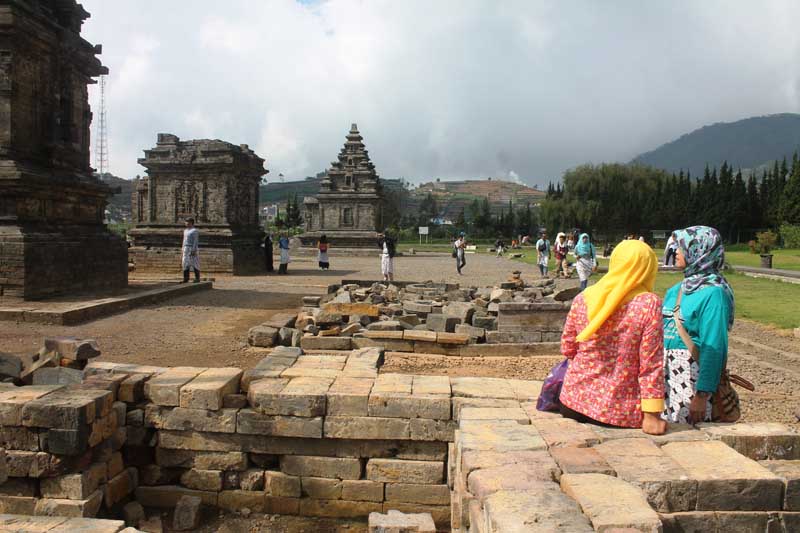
(322, 246)
(268, 253)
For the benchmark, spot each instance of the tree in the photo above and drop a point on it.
(790, 199)
(293, 217)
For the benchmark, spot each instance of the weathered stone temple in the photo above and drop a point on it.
(52, 235)
(348, 207)
(213, 181)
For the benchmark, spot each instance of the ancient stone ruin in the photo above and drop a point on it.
(325, 433)
(52, 235)
(214, 182)
(431, 318)
(348, 207)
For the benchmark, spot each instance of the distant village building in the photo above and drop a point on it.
(348, 207)
(213, 181)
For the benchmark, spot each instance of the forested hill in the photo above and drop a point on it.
(746, 144)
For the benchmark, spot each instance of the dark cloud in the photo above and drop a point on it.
(450, 89)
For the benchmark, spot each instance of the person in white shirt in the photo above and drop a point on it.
(190, 258)
(458, 250)
(543, 254)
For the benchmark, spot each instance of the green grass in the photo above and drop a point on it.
(782, 259)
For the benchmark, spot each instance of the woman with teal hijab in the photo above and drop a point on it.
(705, 309)
(586, 259)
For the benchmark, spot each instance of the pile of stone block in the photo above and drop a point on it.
(424, 317)
(63, 449)
(512, 466)
(59, 362)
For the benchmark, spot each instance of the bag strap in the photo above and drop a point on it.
(687, 340)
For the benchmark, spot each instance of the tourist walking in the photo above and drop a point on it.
(560, 248)
(613, 340)
(586, 259)
(387, 246)
(268, 253)
(499, 246)
(322, 246)
(190, 251)
(458, 252)
(695, 358)
(283, 246)
(543, 254)
(670, 250)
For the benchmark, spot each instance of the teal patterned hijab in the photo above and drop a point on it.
(705, 256)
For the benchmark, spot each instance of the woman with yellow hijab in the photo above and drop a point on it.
(614, 340)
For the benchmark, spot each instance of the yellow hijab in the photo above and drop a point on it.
(631, 271)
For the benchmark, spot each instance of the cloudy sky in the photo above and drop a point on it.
(440, 88)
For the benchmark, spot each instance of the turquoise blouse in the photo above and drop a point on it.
(705, 316)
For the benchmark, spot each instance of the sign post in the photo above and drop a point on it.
(423, 230)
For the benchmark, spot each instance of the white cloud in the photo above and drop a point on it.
(451, 89)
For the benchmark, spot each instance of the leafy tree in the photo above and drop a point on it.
(790, 199)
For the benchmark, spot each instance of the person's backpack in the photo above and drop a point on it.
(542, 246)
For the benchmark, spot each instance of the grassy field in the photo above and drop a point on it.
(783, 259)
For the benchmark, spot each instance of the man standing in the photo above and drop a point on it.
(388, 250)
(190, 258)
(543, 254)
(283, 246)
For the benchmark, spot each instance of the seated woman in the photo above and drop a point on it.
(614, 340)
(706, 308)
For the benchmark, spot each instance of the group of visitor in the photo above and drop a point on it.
(637, 362)
(580, 246)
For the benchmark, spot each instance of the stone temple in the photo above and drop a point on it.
(52, 235)
(213, 181)
(348, 207)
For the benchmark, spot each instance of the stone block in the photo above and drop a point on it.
(349, 309)
(349, 396)
(460, 310)
(182, 419)
(74, 486)
(789, 472)
(186, 516)
(498, 436)
(133, 514)
(460, 403)
(386, 344)
(321, 488)
(59, 375)
(471, 387)
(494, 413)
(667, 486)
(16, 505)
(534, 460)
(153, 475)
(558, 432)
(610, 503)
(337, 508)
(416, 493)
(417, 308)
(393, 383)
(326, 343)
(201, 460)
(120, 486)
(419, 335)
(432, 430)
(455, 339)
(234, 401)
(403, 471)
(362, 490)
(515, 337)
(540, 511)
(441, 323)
(72, 348)
(757, 440)
(440, 514)
(727, 480)
(207, 390)
(67, 409)
(167, 496)
(164, 389)
(474, 333)
(86, 508)
(400, 405)
(115, 464)
(281, 485)
(255, 423)
(396, 521)
(262, 336)
(485, 481)
(12, 400)
(487, 323)
(19, 438)
(573, 460)
(10, 365)
(252, 479)
(431, 385)
(329, 467)
(381, 335)
(203, 480)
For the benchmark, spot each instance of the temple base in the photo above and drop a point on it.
(342, 239)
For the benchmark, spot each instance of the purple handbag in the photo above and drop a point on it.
(551, 387)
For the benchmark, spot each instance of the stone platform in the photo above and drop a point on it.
(75, 310)
(327, 435)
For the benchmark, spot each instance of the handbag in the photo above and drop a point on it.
(551, 388)
(725, 404)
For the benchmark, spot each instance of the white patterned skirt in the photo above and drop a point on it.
(387, 265)
(680, 374)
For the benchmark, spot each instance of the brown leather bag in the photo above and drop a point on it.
(725, 405)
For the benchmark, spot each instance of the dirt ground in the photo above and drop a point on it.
(210, 329)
